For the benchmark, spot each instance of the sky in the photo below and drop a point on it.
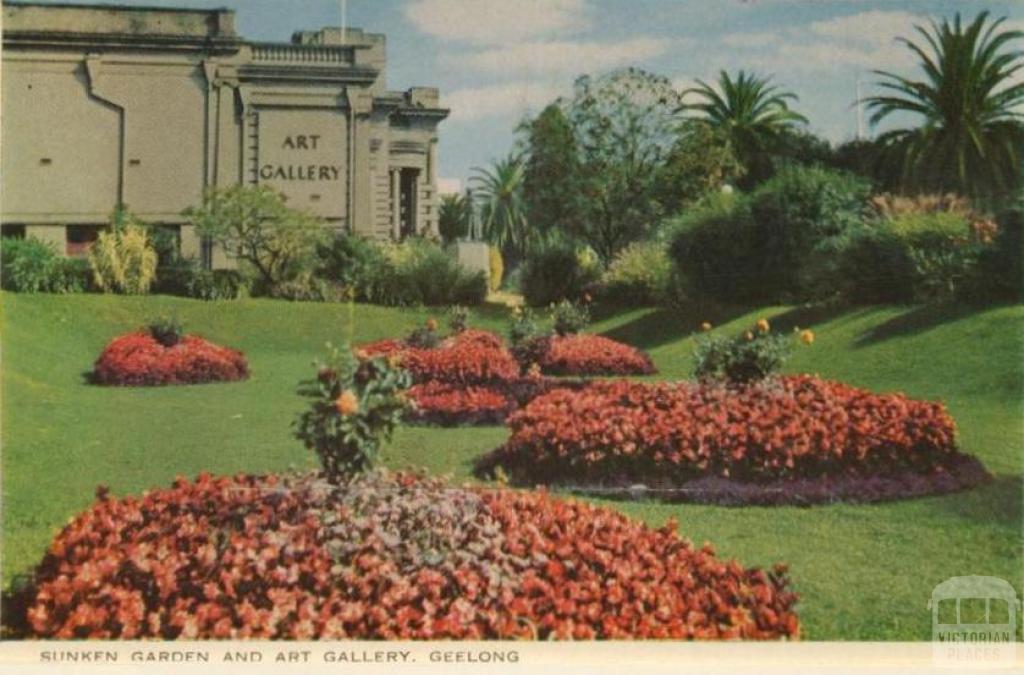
(496, 61)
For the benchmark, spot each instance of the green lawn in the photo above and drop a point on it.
(864, 572)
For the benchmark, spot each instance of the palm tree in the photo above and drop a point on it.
(502, 209)
(748, 112)
(972, 125)
(454, 216)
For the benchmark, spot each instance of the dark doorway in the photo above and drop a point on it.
(408, 180)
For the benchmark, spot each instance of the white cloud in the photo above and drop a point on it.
(533, 58)
(877, 27)
(496, 22)
(751, 40)
(512, 99)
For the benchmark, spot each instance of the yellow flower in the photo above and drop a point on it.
(706, 326)
(431, 324)
(762, 325)
(534, 372)
(347, 403)
(395, 360)
(517, 310)
(362, 355)
(807, 337)
(749, 336)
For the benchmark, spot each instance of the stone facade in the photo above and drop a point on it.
(148, 107)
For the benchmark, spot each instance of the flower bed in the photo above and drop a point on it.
(693, 441)
(139, 359)
(583, 354)
(387, 556)
(449, 405)
(469, 357)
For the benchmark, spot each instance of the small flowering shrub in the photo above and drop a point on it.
(166, 330)
(139, 359)
(782, 428)
(753, 355)
(388, 556)
(458, 318)
(424, 337)
(583, 354)
(569, 318)
(354, 405)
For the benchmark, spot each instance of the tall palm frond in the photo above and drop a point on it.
(971, 133)
(502, 208)
(747, 110)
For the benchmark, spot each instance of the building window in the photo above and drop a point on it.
(81, 238)
(12, 231)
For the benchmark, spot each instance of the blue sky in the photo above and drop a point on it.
(496, 60)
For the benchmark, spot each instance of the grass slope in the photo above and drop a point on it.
(864, 572)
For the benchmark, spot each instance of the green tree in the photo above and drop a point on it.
(551, 181)
(972, 124)
(502, 209)
(701, 161)
(625, 125)
(751, 114)
(273, 243)
(454, 216)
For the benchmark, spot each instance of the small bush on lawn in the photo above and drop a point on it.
(752, 355)
(31, 266)
(420, 272)
(458, 318)
(555, 273)
(584, 355)
(568, 318)
(425, 336)
(388, 556)
(167, 330)
(352, 262)
(123, 259)
(139, 359)
(354, 406)
(782, 428)
(640, 274)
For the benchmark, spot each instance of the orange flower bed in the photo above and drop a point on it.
(387, 556)
(138, 359)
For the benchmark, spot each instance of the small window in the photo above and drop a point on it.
(12, 231)
(81, 238)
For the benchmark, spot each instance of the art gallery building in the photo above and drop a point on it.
(146, 107)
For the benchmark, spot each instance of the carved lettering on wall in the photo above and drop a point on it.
(301, 172)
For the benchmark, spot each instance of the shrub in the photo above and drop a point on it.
(307, 288)
(272, 242)
(777, 243)
(167, 330)
(419, 272)
(351, 261)
(588, 355)
(122, 259)
(31, 266)
(640, 274)
(999, 274)
(496, 266)
(217, 285)
(753, 355)
(458, 318)
(139, 359)
(388, 556)
(569, 317)
(554, 273)
(783, 428)
(912, 256)
(425, 336)
(354, 406)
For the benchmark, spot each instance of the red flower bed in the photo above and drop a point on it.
(138, 359)
(387, 557)
(449, 405)
(584, 354)
(469, 357)
(788, 427)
